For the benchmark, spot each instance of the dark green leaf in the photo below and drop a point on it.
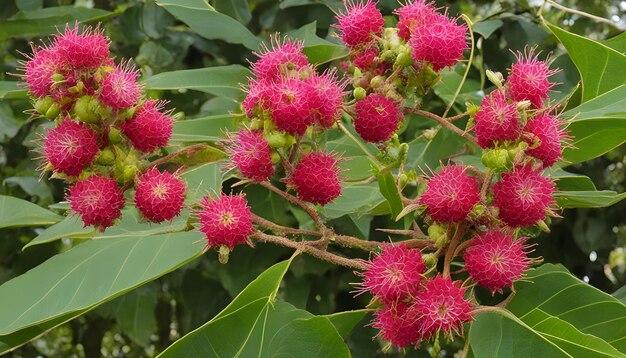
(18, 212)
(317, 49)
(219, 81)
(10, 89)
(70, 227)
(205, 129)
(487, 28)
(237, 9)
(345, 321)
(588, 199)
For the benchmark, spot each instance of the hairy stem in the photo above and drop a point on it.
(294, 200)
(282, 229)
(185, 150)
(444, 122)
(456, 239)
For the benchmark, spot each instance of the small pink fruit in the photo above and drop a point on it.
(359, 22)
(292, 106)
(97, 200)
(251, 154)
(395, 325)
(159, 196)
(226, 221)
(120, 89)
(376, 118)
(275, 62)
(496, 121)
(549, 133)
(89, 48)
(150, 128)
(440, 42)
(316, 178)
(529, 79)
(328, 93)
(450, 194)
(39, 69)
(414, 13)
(70, 147)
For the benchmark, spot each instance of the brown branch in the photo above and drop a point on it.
(294, 200)
(444, 122)
(485, 187)
(456, 239)
(411, 233)
(185, 150)
(308, 249)
(457, 117)
(282, 229)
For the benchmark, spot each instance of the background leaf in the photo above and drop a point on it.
(18, 212)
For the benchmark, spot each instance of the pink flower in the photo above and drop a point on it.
(359, 22)
(496, 121)
(440, 42)
(120, 89)
(376, 118)
(450, 194)
(251, 154)
(159, 196)
(97, 200)
(150, 128)
(546, 134)
(316, 178)
(89, 48)
(226, 221)
(528, 79)
(414, 13)
(70, 147)
(276, 61)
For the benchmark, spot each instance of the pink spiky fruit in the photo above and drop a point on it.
(292, 106)
(150, 128)
(529, 79)
(89, 48)
(159, 196)
(316, 178)
(120, 89)
(279, 59)
(450, 194)
(226, 221)
(359, 22)
(496, 260)
(328, 93)
(39, 69)
(523, 196)
(251, 154)
(440, 307)
(98, 200)
(257, 98)
(377, 118)
(395, 274)
(440, 42)
(412, 14)
(70, 147)
(496, 121)
(396, 325)
(545, 136)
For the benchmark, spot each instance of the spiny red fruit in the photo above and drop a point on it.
(523, 196)
(97, 200)
(496, 260)
(316, 178)
(376, 118)
(150, 128)
(120, 89)
(395, 325)
(89, 48)
(440, 307)
(496, 121)
(251, 154)
(292, 105)
(412, 14)
(364, 58)
(226, 221)
(546, 133)
(277, 60)
(440, 42)
(528, 79)
(359, 22)
(328, 93)
(450, 194)
(394, 274)
(70, 147)
(39, 69)
(257, 98)
(159, 196)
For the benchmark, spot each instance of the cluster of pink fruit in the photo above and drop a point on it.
(103, 128)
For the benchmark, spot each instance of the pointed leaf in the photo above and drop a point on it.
(18, 212)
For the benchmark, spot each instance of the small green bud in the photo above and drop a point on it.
(477, 211)
(359, 93)
(53, 111)
(43, 104)
(472, 109)
(57, 77)
(115, 136)
(403, 179)
(291, 140)
(357, 73)
(430, 260)
(439, 234)
(256, 124)
(105, 157)
(178, 116)
(377, 81)
(543, 226)
(275, 157)
(404, 59)
(268, 125)
(85, 109)
(496, 78)
(430, 133)
(275, 139)
(496, 159)
(223, 254)
(129, 173)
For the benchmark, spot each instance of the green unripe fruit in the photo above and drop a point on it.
(256, 124)
(377, 81)
(430, 260)
(359, 93)
(496, 159)
(275, 157)
(403, 60)
(403, 179)
(43, 104)
(57, 77)
(223, 254)
(129, 173)
(53, 111)
(86, 108)
(105, 157)
(276, 139)
(439, 234)
(115, 136)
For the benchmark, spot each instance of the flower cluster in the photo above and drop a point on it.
(102, 124)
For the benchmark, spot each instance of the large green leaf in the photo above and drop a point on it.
(345, 321)
(18, 212)
(588, 199)
(204, 20)
(224, 81)
(601, 67)
(10, 90)
(77, 280)
(553, 314)
(203, 180)
(255, 324)
(317, 49)
(597, 126)
(70, 227)
(354, 199)
(205, 129)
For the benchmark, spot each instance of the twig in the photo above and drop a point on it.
(456, 239)
(282, 229)
(294, 200)
(485, 187)
(444, 122)
(308, 249)
(467, 69)
(457, 117)
(411, 233)
(185, 150)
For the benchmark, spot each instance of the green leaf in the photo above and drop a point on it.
(45, 21)
(203, 180)
(354, 199)
(18, 212)
(601, 67)
(345, 321)
(11, 90)
(487, 28)
(597, 126)
(237, 9)
(566, 181)
(588, 199)
(223, 81)
(356, 165)
(70, 227)
(132, 224)
(389, 189)
(205, 129)
(204, 20)
(425, 155)
(317, 49)
(89, 274)
(553, 314)
(254, 324)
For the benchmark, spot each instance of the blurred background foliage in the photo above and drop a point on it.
(591, 243)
